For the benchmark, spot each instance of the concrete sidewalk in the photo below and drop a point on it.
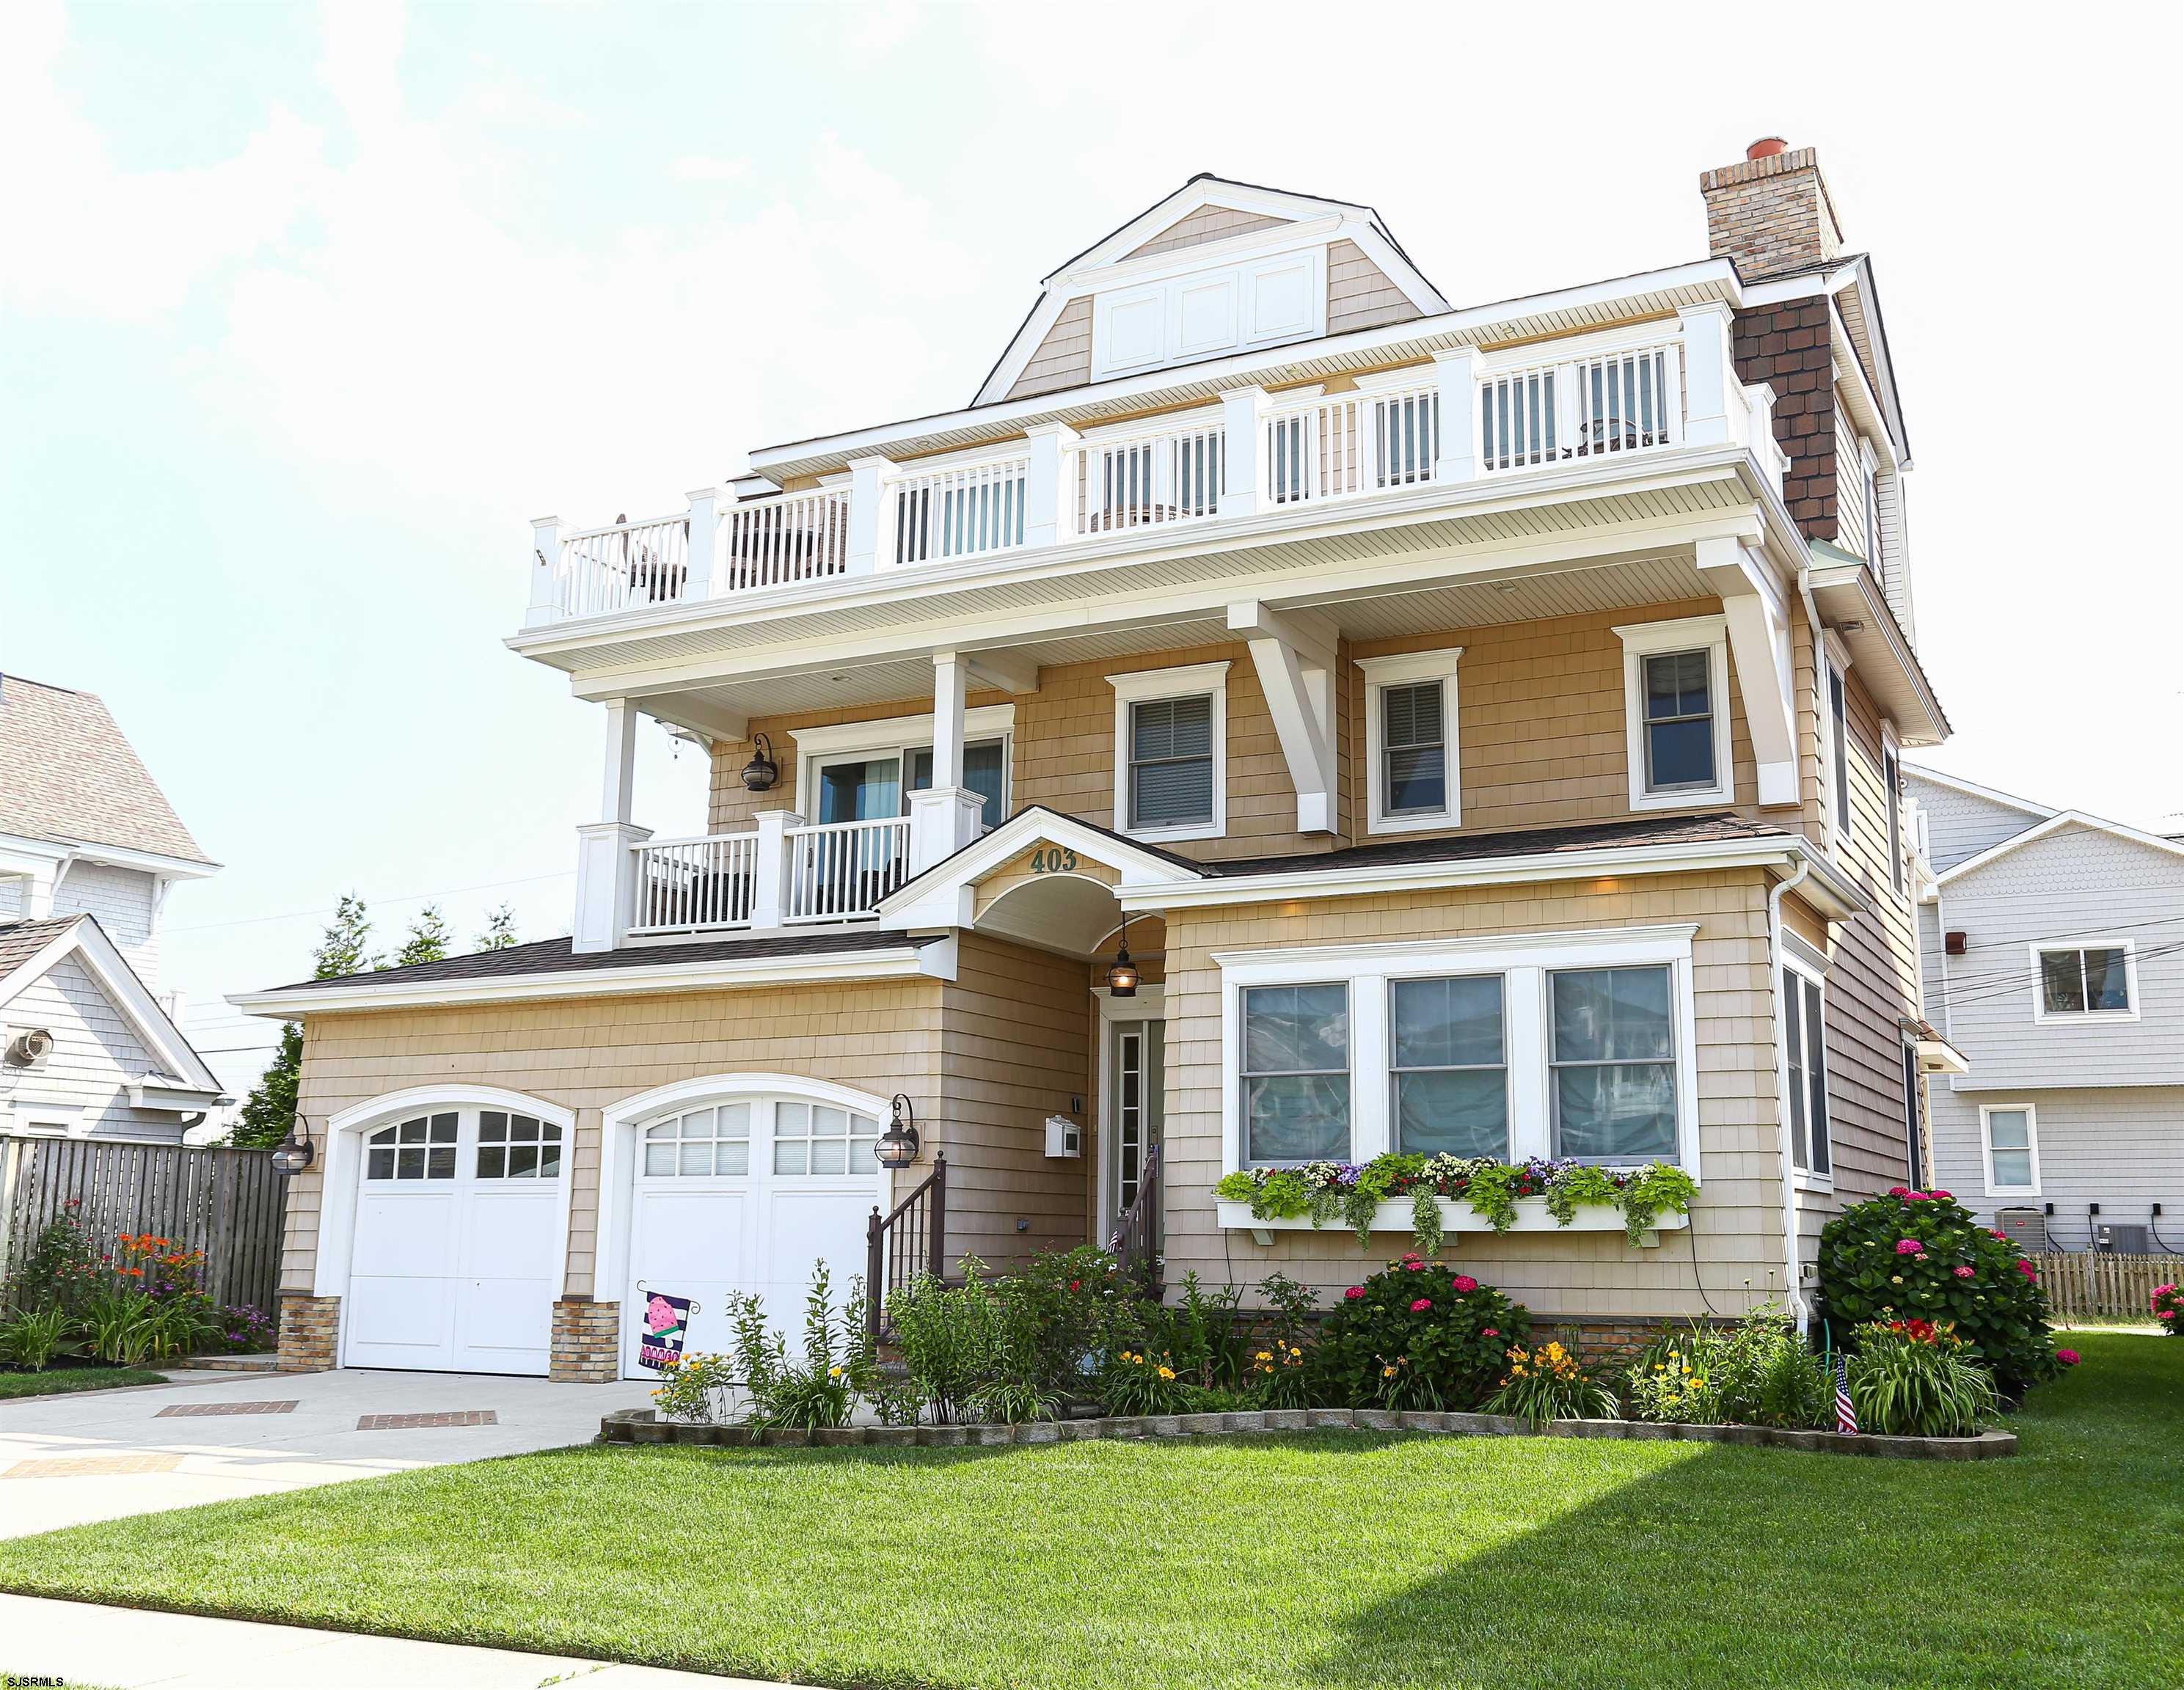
(123, 1648)
(66, 1459)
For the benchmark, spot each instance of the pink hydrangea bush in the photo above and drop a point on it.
(1416, 1335)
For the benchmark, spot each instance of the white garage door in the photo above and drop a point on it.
(458, 1253)
(746, 1196)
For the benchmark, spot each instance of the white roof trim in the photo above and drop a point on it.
(1957, 783)
(112, 856)
(128, 994)
(936, 959)
(2056, 822)
(1137, 867)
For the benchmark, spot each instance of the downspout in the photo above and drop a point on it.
(1798, 1308)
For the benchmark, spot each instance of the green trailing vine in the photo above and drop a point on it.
(1574, 1186)
(1652, 1193)
(1493, 1194)
(1426, 1230)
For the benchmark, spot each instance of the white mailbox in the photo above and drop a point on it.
(1064, 1137)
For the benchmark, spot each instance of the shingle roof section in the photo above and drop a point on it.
(20, 941)
(555, 956)
(1541, 842)
(69, 775)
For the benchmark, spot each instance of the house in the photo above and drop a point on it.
(89, 849)
(1283, 714)
(2053, 946)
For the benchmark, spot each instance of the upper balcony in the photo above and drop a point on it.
(1259, 461)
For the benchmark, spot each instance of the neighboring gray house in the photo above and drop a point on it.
(89, 847)
(2052, 946)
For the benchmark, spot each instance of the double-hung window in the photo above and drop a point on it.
(2010, 1140)
(1676, 711)
(1450, 1061)
(1295, 1073)
(1410, 726)
(2084, 980)
(1611, 1064)
(1892, 779)
(1805, 1040)
(1839, 748)
(1170, 758)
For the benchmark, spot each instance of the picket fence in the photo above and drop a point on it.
(227, 1203)
(2086, 1282)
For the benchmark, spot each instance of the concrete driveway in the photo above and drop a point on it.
(103, 1454)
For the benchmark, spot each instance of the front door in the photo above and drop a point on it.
(1132, 1116)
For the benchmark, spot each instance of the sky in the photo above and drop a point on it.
(305, 312)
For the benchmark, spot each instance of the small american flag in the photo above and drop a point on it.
(1846, 1412)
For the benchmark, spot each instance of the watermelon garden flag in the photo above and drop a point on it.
(666, 1324)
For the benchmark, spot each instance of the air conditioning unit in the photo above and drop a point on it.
(2122, 1240)
(2027, 1228)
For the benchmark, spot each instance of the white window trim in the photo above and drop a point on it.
(1832, 660)
(2042, 1016)
(2032, 1146)
(1382, 672)
(1892, 822)
(1145, 685)
(1524, 959)
(897, 736)
(1642, 640)
(1800, 961)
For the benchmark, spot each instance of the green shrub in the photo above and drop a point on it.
(1071, 1303)
(697, 1385)
(816, 1391)
(1913, 1379)
(1759, 1373)
(32, 1337)
(1550, 1383)
(2167, 1305)
(60, 1270)
(1921, 1255)
(1134, 1382)
(1415, 1335)
(1204, 1334)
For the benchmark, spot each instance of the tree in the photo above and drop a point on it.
(499, 930)
(270, 1108)
(427, 941)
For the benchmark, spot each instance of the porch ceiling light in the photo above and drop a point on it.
(294, 1153)
(761, 771)
(898, 1145)
(1122, 973)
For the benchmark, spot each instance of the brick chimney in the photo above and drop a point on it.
(1771, 213)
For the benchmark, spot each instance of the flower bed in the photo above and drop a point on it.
(1433, 1195)
(641, 1426)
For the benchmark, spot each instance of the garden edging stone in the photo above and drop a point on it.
(644, 1425)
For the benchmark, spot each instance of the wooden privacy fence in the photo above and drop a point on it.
(227, 1203)
(2093, 1283)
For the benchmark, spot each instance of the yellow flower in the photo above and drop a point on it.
(1168, 1373)
(1265, 1355)
(834, 1373)
(1387, 1373)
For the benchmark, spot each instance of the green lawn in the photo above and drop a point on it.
(56, 1380)
(1339, 1560)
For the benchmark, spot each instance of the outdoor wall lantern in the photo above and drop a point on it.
(294, 1153)
(761, 771)
(1122, 973)
(898, 1145)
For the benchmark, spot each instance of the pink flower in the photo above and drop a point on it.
(1465, 1283)
(1899, 1190)
(1414, 1265)
(1355, 1292)
(1909, 1247)
(1940, 1196)
(2068, 1357)
(1916, 1196)
(1489, 1332)
(1991, 1233)
(2027, 1269)
(1962, 1272)
(1422, 1305)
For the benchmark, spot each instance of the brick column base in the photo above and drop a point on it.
(586, 1341)
(310, 1331)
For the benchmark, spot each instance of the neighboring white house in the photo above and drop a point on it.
(89, 847)
(2053, 946)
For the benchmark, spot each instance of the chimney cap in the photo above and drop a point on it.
(1767, 147)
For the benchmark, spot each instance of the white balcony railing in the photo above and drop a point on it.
(691, 885)
(1607, 395)
(1167, 471)
(962, 511)
(841, 869)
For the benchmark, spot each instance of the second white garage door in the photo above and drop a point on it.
(745, 1196)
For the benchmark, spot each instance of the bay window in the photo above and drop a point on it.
(1297, 1074)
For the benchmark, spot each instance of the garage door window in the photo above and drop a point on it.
(516, 1147)
(700, 1143)
(812, 1138)
(420, 1149)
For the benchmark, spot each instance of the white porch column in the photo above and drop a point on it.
(868, 518)
(1710, 381)
(1457, 454)
(944, 818)
(770, 891)
(545, 571)
(606, 863)
(1241, 410)
(704, 530)
(1049, 488)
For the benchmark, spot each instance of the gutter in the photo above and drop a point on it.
(1798, 1307)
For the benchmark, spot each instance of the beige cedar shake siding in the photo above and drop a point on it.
(1064, 357)
(1359, 295)
(1738, 1217)
(1207, 223)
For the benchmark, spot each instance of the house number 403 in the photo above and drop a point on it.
(1055, 861)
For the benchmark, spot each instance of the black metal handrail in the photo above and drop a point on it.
(1136, 1239)
(908, 1240)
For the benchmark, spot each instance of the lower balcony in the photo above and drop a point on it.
(786, 872)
